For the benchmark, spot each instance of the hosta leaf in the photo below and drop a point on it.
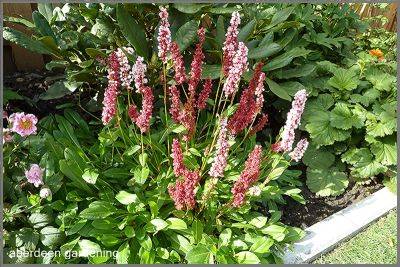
(132, 31)
(343, 118)
(326, 182)
(186, 34)
(385, 151)
(321, 130)
(318, 158)
(199, 254)
(344, 80)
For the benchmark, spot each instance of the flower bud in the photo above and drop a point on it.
(45, 192)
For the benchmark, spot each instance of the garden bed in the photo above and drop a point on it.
(318, 208)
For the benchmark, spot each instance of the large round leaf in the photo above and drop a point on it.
(326, 182)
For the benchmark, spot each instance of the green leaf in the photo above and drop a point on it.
(277, 90)
(141, 175)
(326, 182)
(56, 64)
(132, 31)
(197, 230)
(391, 184)
(211, 72)
(225, 237)
(318, 158)
(23, 40)
(268, 39)
(186, 34)
(176, 224)
(380, 126)
(117, 173)
(280, 16)
(93, 53)
(385, 151)
(285, 58)
(26, 237)
(321, 130)
(123, 254)
(21, 21)
(343, 118)
(199, 254)
(277, 232)
(220, 36)
(364, 166)
(301, 71)
(90, 176)
(126, 198)
(344, 80)
(380, 80)
(87, 248)
(42, 25)
(264, 51)
(58, 89)
(46, 9)
(245, 32)
(261, 245)
(224, 9)
(97, 210)
(156, 225)
(39, 220)
(51, 237)
(247, 257)
(189, 8)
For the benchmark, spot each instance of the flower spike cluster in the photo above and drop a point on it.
(178, 64)
(204, 94)
(299, 150)
(239, 66)
(175, 108)
(111, 92)
(248, 176)
(183, 192)
(220, 160)
(125, 74)
(164, 35)
(231, 42)
(138, 71)
(293, 120)
(260, 124)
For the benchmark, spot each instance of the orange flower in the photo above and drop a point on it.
(376, 53)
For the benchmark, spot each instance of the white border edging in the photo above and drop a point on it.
(326, 234)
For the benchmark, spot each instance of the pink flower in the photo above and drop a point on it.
(177, 156)
(7, 136)
(178, 194)
(23, 124)
(164, 35)
(125, 74)
(177, 61)
(259, 92)
(204, 94)
(247, 109)
(220, 160)
(133, 112)
(34, 175)
(260, 124)
(276, 147)
(293, 120)
(175, 108)
(143, 119)
(188, 118)
(239, 65)
(299, 150)
(248, 176)
(111, 92)
(196, 66)
(231, 42)
(138, 72)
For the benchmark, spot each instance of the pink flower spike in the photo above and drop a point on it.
(204, 94)
(177, 61)
(138, 72)
(196, 66)
(175, 108)
(177, 156)
(231, 42)
(125, 74)
(248, 176)
(293, 120)
(111, 92)
(221, 155)
(299, 150)
(132, 112)
(23, 124)
(164, 35)
(34, 175)
(239, 66)
(260, 124)
(143, 120)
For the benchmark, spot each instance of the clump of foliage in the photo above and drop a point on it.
(179, 181)
(352, 125)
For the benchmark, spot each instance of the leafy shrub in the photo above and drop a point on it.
(192, 186)
(352, 123)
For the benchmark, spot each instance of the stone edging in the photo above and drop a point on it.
(328, 233)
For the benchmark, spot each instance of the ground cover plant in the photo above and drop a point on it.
(188, 184)
(184, 140)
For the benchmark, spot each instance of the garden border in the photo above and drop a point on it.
(328, 233)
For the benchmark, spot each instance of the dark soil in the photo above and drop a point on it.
(318, 208)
